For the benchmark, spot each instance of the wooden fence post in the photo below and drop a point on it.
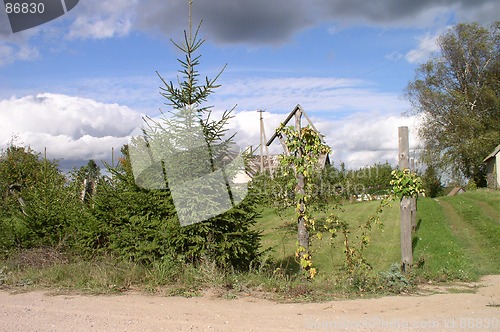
(405, 205)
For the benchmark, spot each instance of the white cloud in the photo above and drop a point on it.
(103, 19)
(427, 45)
(359, 123)
(394, 56)
(246, 124)
(358, 140)
(138, 92)
(6, 54)
(367, 137)
(70, 127)
(332, 96)
(10, 52)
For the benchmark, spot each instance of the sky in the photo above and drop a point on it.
(79, 85)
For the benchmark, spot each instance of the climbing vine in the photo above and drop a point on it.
(305, 147)
(304, 150)
(406, 184)
(354, 247)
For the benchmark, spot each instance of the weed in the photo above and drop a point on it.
(394, 281)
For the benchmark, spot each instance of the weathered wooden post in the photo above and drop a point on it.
(302, 232)
(405, 205)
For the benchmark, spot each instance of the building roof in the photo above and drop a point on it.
(493, 154)
(456, 190)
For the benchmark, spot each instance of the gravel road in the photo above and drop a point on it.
(39, 311)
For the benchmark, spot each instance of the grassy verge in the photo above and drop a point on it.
(456, 240)
(110, 276)
(458, 236)
(476, 226)
(276, 277)
(438, 254)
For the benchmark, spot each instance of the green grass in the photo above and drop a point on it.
(456, 239)
(476, 225)
(458, 236)
(437, 253)
(280, 234)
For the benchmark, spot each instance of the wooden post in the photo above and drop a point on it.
(283, 144)
(405, 205)
(302, 233)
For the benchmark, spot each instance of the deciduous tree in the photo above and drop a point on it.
(457, 95)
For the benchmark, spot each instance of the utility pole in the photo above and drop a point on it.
(263, 141)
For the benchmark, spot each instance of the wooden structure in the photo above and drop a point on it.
(302, 232)
(493, 168)
(297, 113)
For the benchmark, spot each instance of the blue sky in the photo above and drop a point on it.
(80, 84)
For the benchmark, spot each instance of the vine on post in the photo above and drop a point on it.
(406, 184)
(305, 147)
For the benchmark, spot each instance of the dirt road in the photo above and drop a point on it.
(37, 311)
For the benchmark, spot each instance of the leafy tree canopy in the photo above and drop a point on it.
(457, 95)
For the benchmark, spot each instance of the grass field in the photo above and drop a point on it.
(457, 237)
(280, 234)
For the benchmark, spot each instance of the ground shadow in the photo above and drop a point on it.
(415, 238)
(288, 265)
(414, 242)
(418, 225)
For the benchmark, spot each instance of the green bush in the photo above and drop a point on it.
(141, 225)
(393, 280)
(37, 208)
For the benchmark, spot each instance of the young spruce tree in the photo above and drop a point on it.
(195, 154)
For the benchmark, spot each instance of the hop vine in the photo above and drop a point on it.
(406, 184)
